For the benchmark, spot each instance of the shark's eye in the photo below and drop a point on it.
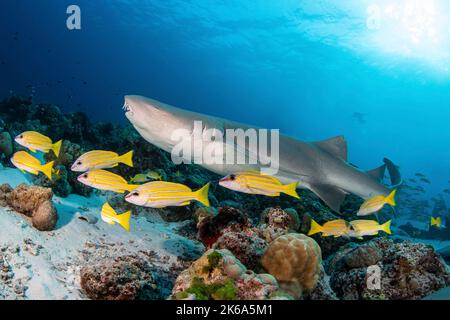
(232, 177)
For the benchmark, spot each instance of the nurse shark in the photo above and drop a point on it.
(321, 166)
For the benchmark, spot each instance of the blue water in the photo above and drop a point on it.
(305, 67)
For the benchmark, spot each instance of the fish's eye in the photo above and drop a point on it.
(21, 136)
(79, 163)
(232, 177)
(135, 194)
(85, 175)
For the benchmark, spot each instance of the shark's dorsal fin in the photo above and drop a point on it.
(336, 146)
(331, 195)
(377, 173)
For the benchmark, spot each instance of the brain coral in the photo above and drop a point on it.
(295, 261)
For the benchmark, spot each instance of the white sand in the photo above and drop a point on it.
(54, 272)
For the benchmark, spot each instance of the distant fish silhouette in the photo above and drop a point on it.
(425, 180)
(421, 175)
(360, 117)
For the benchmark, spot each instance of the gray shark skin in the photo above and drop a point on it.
(318, 166)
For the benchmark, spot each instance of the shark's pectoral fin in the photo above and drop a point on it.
(331, 195)
(336, 146)
(377, 173)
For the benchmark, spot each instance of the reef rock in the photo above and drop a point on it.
(33, 202)
(246, 244)
(323, 290)
(123, 278)
(283, 219)
(5, 190)
(406, 270)
(295, 261)
(211, 227)
(26, 199)
(6, 144)
(218, 275)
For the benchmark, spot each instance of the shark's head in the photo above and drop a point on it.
(154, 120)
(142, 112)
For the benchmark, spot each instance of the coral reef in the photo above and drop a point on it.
(124, 278)
(6, 144)
(246, 244)
(295, 261)
(408, 270)
(32, 201)
(218, 275)
(210, 228)
(287, 219)
(243, 234)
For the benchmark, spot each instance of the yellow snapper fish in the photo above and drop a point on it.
(35, 141)
(253, 182)
(105, 180)
(110, 216)
(360, 228)
(26, 162)
(436, 222)
(336, 228)
(139, 178)
(99, 159)
(161, 194)
(154, 175)
(376, 203)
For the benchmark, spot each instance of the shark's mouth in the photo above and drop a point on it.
(128, 110)
(126, 107)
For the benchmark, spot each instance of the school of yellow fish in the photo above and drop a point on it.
(159, 194)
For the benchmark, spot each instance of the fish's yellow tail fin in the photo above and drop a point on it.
(315, 228)
(124, 220)
(127, 158)
(56, 147)
(386, 227)
(291, 190)
(201, 195)
(439, 221)
(47, 169)
(433, 221)
(390, 199)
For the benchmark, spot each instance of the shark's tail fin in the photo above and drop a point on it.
(394, 172)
